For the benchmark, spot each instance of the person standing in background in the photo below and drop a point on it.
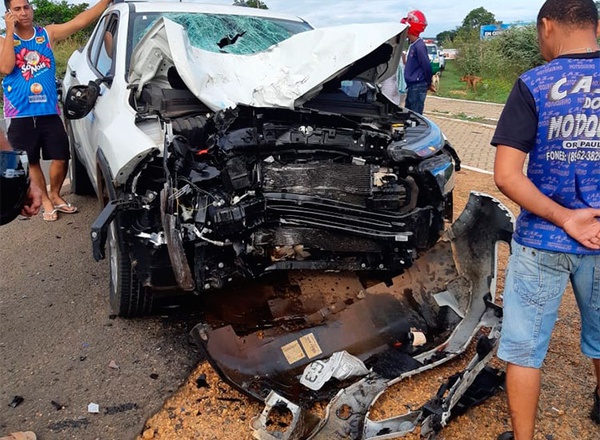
(550, 117)
(417, 69)
(30, 96)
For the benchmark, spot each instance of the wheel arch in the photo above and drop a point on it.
(104, 180)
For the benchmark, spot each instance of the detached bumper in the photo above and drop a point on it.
(429, 315)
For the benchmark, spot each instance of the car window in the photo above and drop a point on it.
(432, 49)
(101, 51)
(236, 34)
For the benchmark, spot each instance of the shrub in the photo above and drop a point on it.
(503, 58)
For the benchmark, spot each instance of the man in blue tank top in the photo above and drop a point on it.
(552, 115)
(30, 97)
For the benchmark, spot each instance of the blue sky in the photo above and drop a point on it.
(441, 14)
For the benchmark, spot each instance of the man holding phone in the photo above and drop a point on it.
(30, 96)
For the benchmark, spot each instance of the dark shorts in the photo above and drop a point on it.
(45, 133)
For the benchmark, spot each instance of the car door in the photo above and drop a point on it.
(95, 63)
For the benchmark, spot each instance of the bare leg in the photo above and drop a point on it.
(523, 388)
(58, 173)
(37, 176)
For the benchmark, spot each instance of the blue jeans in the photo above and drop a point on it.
(415, 96)
(535, 284)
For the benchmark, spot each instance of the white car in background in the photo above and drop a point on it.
(436, 58)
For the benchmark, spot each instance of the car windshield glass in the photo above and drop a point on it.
(433, 50)
(235, 34)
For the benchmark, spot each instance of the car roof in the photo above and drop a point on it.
(211, 8)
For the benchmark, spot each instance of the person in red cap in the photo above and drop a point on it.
(417, 71)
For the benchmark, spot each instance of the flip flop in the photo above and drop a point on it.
(65, 208)
(51, 216)
(27, 435)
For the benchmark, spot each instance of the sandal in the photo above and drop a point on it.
(66, 208)
(27, 435)
(50, 216)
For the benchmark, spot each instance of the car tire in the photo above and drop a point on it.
(128, 298)
(80, 180)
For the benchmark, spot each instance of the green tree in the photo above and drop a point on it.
(51, 12)
(446, 37)
(469, 30)
(477, 18)
(56, 12)
(251, 3)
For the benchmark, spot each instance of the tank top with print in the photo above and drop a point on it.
(30, 89)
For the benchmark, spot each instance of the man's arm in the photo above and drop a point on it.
(7, 51)
(423, 58)
(58, 32)
(581, 224)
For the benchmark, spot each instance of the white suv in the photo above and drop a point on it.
(232, 143)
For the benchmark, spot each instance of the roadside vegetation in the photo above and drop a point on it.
(498, 61)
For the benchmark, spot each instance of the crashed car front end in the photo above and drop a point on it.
(339, 182)
(289, 171)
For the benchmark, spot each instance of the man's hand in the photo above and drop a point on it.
(33, 202)
(11, 20)
(584, 226)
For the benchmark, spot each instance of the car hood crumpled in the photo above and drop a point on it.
(284, 76)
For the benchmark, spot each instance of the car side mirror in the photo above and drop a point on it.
(81, 100)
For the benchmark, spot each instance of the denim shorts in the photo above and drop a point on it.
(535, 283)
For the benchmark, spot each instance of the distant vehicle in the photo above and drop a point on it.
(436, 58)
(450, 54)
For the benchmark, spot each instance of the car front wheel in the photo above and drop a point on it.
(128, 298)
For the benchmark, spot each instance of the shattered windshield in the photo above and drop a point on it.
(234, 34)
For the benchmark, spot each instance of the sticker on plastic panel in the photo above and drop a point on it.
(310, 345)
(293, 352)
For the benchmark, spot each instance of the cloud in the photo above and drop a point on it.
(441, 15)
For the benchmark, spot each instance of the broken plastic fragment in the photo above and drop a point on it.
(93, 408)
(112, 364)
(417, 338)
(17, 400)
(201, 381)
(341, 365)
(57, 405)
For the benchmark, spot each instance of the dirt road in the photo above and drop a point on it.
(57, 338)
